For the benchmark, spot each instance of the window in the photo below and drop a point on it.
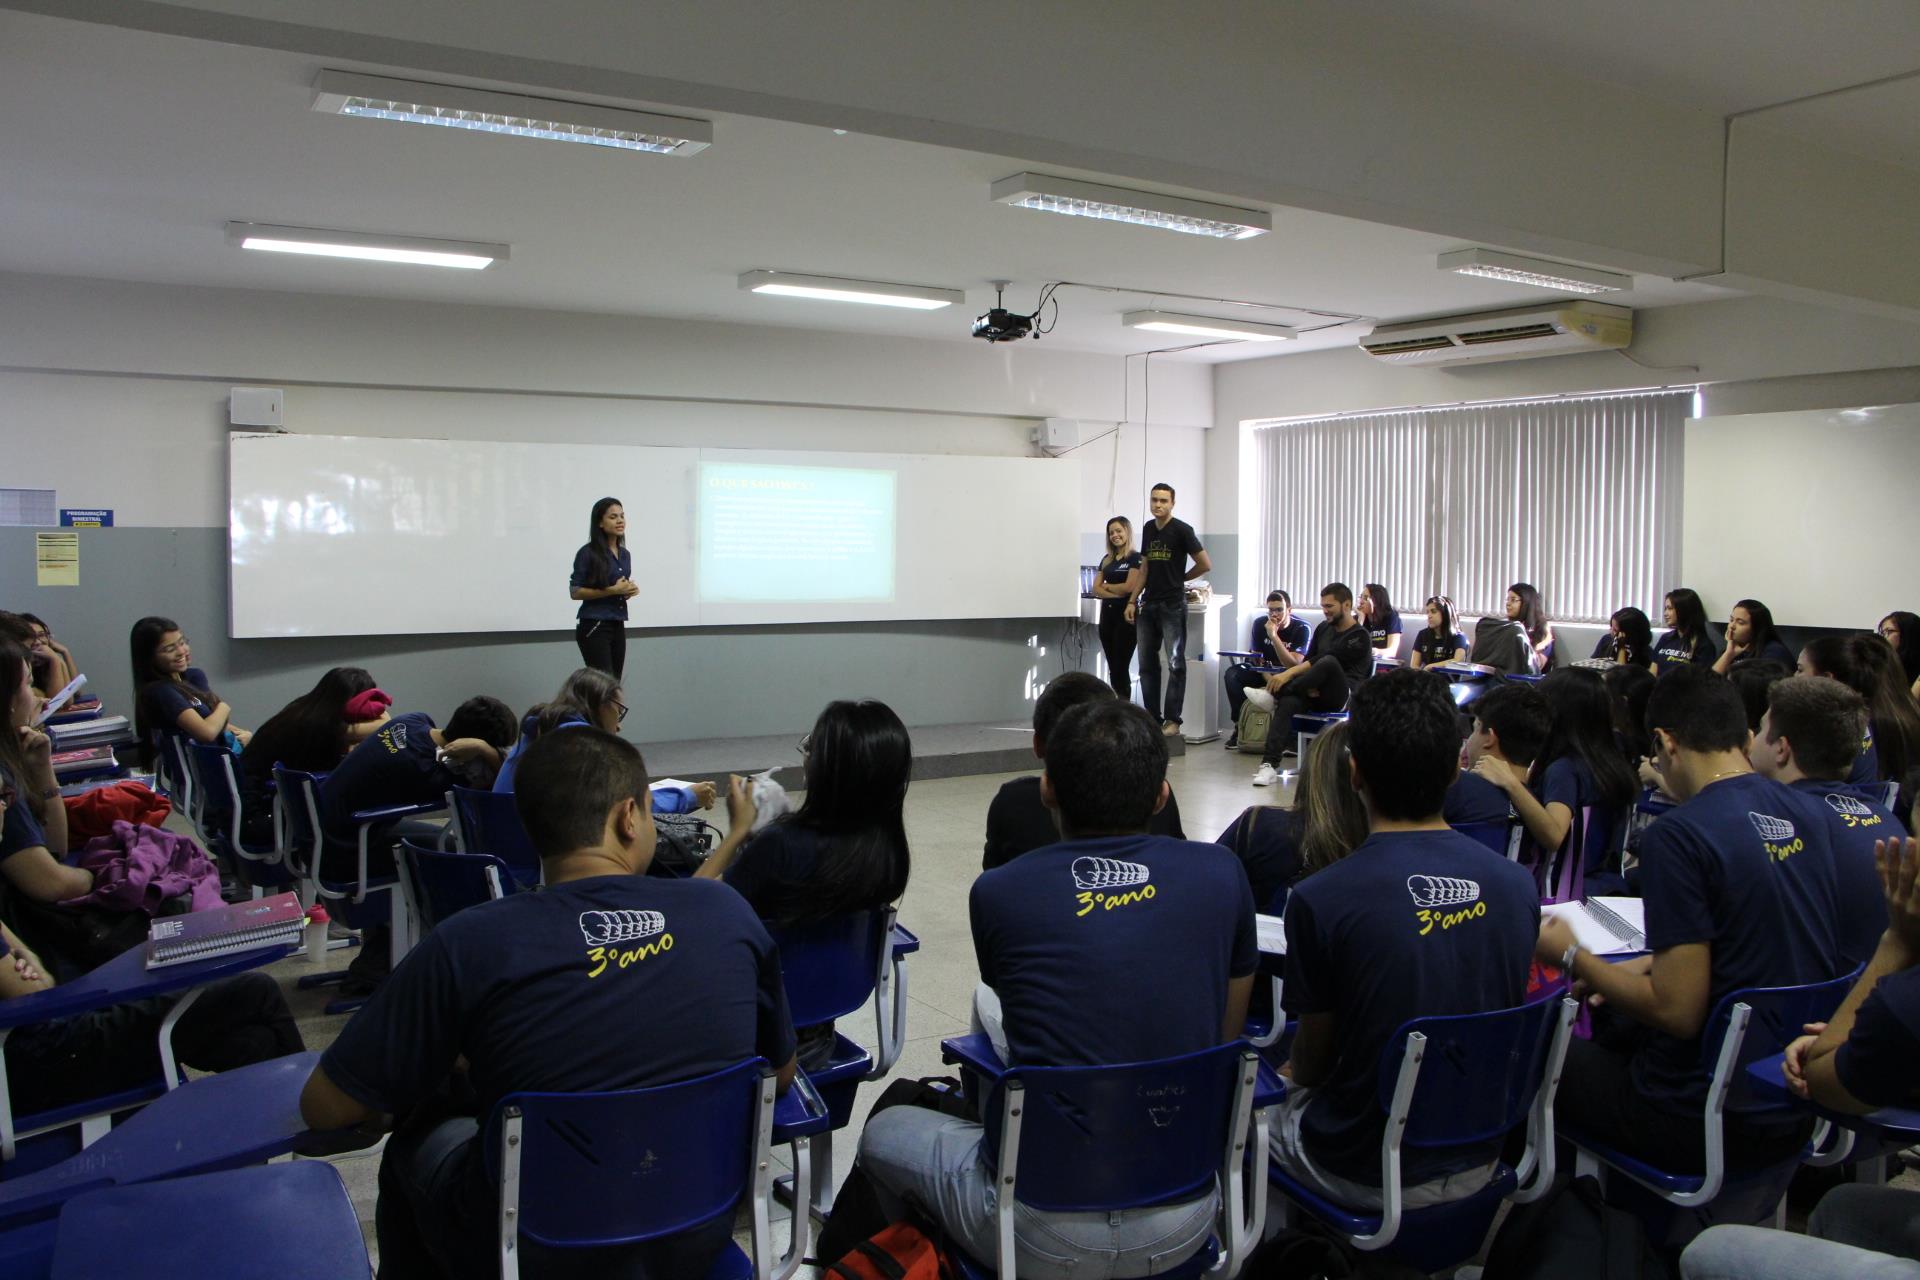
(1580, 497)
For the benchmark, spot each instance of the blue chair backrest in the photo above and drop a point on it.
(214, 785)
(1778, 1015)
(1479, 1073)
(489, 823)
(444, 883)
(637, 1164)
(830, 966)
(1493, 835)
(299, 799)
(1116, 1137)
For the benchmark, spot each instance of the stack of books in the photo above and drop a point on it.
(226, 930)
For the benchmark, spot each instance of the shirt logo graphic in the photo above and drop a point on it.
(395, 736)
(1441, 902)
(1108, 883)
(1852, 812)
(604, 930)
(1777, 836)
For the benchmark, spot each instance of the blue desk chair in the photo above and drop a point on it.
(221, 815)
(1497, 836)
(1453, 1082)
(1308, 725)
(1076, 1139)
(437, 884)
(590, 1170)
(289, 1221)
(123, 979)
(488, 822)
(360, 901)
(1744, 1027)
(830, 970)
(1889, 1128)
(171, 775)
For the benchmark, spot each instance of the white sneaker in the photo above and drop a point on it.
(1261, 698)
(1265, 776)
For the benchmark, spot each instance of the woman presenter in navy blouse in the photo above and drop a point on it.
(602, 582)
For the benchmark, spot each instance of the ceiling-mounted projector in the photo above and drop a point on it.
(1002, 325)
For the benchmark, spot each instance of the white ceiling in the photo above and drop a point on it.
(126, 153)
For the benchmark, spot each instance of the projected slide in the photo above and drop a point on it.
(786, 533)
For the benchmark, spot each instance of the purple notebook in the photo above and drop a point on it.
(222, 931)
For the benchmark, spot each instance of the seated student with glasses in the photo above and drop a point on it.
(1278, 639)
(53, 665)
(1340, 657)
(33, 819)
(606, 979)
(1018, 820)
(589, 696)
(1418, 921)
(171, 695)
(844, 850)
(1164, 968)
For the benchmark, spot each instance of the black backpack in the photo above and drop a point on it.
(1573, 1234)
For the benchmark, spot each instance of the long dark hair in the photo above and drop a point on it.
(1690, 617)
(1583, 729)
(1628, 686)
(14, 664)
(1533, 614)
(1763, 629)
(309, 733)
(581, 696)
(1908, 649)
(606, 561)
(1635, 645)
(1332, 817)
(143, 647)
(1383, 610)
(1445, 605)
(859, 760)
(1866, 664)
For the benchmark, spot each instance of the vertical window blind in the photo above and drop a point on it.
(1580, 497)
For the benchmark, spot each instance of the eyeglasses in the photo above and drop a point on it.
(806, 744)
(622, 708)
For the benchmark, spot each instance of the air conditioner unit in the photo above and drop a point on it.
(1557, 330)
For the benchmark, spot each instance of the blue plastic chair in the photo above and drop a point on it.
(289, 1221)
(1454, 1082)
(488, 822)
(591, 1170)
(830, 969)
(1079, 1139)
(171, 775)
(220, 815)
(1744, 1027)
(1308, 725)
(1497, 836)
(437, 883)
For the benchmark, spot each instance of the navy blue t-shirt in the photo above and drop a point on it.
(1114, 573)
(1853, 824)
(398, 765)
(772, 866)
(1866, 765)
(19, 829)
(1773, 650)
(1412, 924)
(1744, 868)
(1875, 1064)
(1266, 839)
(614, 982)
(1435, 646)
(1113, 950)
(166, 699)
(1295, 633)
(607, 608)
(1166, 552)
(1674, 649)
(1381, 631)
(1473, 801)
(1570, 781)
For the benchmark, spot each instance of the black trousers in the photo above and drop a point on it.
(1320, 688)
(233, 1023)
(1118, 639)
(1597, 1096)
(603, 644)
(1239, 679)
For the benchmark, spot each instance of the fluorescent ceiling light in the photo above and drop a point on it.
(789, 284)
(1206, 326)
(1141, 208)
(1539, 272)
(319, 243)
(485, 111)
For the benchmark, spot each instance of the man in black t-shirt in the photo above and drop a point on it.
(1018, 819)
(606, 979)
(1159, 613)
(1340, 657)
(1278, 639)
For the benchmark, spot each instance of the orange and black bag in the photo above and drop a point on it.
(900, 1252)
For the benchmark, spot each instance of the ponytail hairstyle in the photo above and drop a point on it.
(606, 563)
(1635, 645)
(1690, 617)
(1583, 729)
(1533, 614)
(581, 696)
(859, 761)
(143, 645)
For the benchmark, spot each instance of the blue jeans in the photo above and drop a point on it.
(938, 1163)
(1860, 1232)
(1162, 622)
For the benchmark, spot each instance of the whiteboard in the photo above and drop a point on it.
(362, 535)
(1806, 512)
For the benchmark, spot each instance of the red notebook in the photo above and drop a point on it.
(226, 930)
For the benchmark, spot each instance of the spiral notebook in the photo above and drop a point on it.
(1605, 926)
(226, 930)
